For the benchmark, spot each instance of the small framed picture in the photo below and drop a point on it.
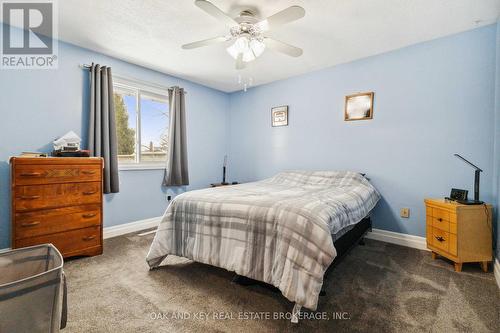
(279, 116)
(359, 106)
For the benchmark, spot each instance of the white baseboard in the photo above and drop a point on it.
(415, 242)
(496, 270)
(122, 229)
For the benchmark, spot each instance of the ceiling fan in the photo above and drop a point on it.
(247, 31)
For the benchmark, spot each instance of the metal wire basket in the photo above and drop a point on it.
(32, 290)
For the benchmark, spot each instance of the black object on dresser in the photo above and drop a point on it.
(223, 184)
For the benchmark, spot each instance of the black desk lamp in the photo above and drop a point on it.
(224, 171)
(477, 172)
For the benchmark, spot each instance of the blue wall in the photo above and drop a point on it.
(431, 100)
(496, 184)
(39, 105)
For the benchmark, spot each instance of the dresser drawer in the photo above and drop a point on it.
(44, 222)
(67, 242)
(53, 174)
(56, 195)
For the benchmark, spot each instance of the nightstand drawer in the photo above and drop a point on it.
(441, 239)
(441, 224)
(441, 214)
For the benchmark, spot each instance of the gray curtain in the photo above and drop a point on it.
(102, 126)
(176, 172)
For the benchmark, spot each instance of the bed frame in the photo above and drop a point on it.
(349, 240)
(343, 245)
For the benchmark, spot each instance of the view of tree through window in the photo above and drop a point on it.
(125, 126)
(141, 127)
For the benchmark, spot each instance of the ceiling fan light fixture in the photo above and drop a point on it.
(249, 48)
(257, 47)
(248, 56)
(241, 44)
(233, 51)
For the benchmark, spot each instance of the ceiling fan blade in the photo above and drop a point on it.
(214, 11)
(287, 15)
(282, 47)
(204, 42)
(240, 64)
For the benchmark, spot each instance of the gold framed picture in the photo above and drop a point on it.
(279, 116)
(359, 106)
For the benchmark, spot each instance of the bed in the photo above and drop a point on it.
(278, 230)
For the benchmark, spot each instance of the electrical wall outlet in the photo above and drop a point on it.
(405, 212)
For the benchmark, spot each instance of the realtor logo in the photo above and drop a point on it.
(29, 35)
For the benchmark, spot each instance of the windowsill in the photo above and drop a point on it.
(132, 167)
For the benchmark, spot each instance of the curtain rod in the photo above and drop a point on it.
(87, 66)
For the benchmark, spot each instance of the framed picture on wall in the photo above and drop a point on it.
(359, 106)
(279, 116)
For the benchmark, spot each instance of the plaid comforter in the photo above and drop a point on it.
(277, 230)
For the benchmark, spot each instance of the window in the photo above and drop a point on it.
(141, 124)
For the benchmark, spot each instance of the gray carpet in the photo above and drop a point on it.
(378, 287)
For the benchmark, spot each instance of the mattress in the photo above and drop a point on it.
(277, 230)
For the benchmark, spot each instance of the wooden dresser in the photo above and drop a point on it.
(59, 201)
(461, 233)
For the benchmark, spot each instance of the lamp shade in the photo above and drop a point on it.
(250, 48)
(257, 47)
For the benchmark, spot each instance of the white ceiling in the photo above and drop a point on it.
(150, 32)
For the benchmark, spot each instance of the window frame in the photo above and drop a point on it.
(140, 88)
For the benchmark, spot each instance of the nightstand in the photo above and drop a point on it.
(461, 233)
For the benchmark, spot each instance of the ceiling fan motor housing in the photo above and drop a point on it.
(246, 16)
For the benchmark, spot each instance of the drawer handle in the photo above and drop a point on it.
(29, 197)
(30, 224)
(89, 192)
(31, 174)
(88, 238)
(88, 172)
(440, 219)
(440, 239)
(89, 215)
